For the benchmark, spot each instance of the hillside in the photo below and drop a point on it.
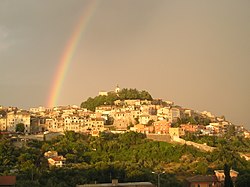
(128, 157)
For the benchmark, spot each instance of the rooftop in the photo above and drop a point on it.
(7, 180)
(131, 184)
(201, 178)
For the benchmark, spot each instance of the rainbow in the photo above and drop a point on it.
(68, 53)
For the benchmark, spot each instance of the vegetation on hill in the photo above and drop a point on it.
(128, 157)
(197, 120)
(20, 127)
(230, 141)
(92, 103)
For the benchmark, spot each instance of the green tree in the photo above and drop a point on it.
(144, 95)
(228, 181)
(243, 180)
(92, 103)
(8, 155)
(136, 121)
(20, 127)
(150, 122)
(110, 120)
(134, 94)
(230, 131)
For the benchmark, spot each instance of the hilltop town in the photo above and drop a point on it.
(124, 137)
(148, 116)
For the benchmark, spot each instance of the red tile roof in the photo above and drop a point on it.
(58, 158)
(7, 180)
(202, 178)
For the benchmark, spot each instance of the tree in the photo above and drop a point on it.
(92, 103)
(144, 95)
(230, 132)
(134, 94)
(150, 122)
(228, 181)
(110, 120)
(136, 121)
(243, 180)
(7, 154)
(20, 127)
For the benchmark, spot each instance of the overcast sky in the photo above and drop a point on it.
(195, 53)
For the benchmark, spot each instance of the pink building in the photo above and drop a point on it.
(162, 127)
(189, 127)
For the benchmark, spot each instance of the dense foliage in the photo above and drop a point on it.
(134, 94)
(92, 103)
(128, 157)
(228, 181)
(197, 120)
(232, 143)
(20, 127)
(243, 180)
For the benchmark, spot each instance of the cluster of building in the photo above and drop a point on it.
(11, 116)
(54, 159)
(216, 180)
(149, 117)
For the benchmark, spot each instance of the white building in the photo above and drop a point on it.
(14, 118)
(3, 124)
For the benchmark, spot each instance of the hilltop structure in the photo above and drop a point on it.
(149, 116)
(105, 93)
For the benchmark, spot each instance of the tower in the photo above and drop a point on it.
(117, 89)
